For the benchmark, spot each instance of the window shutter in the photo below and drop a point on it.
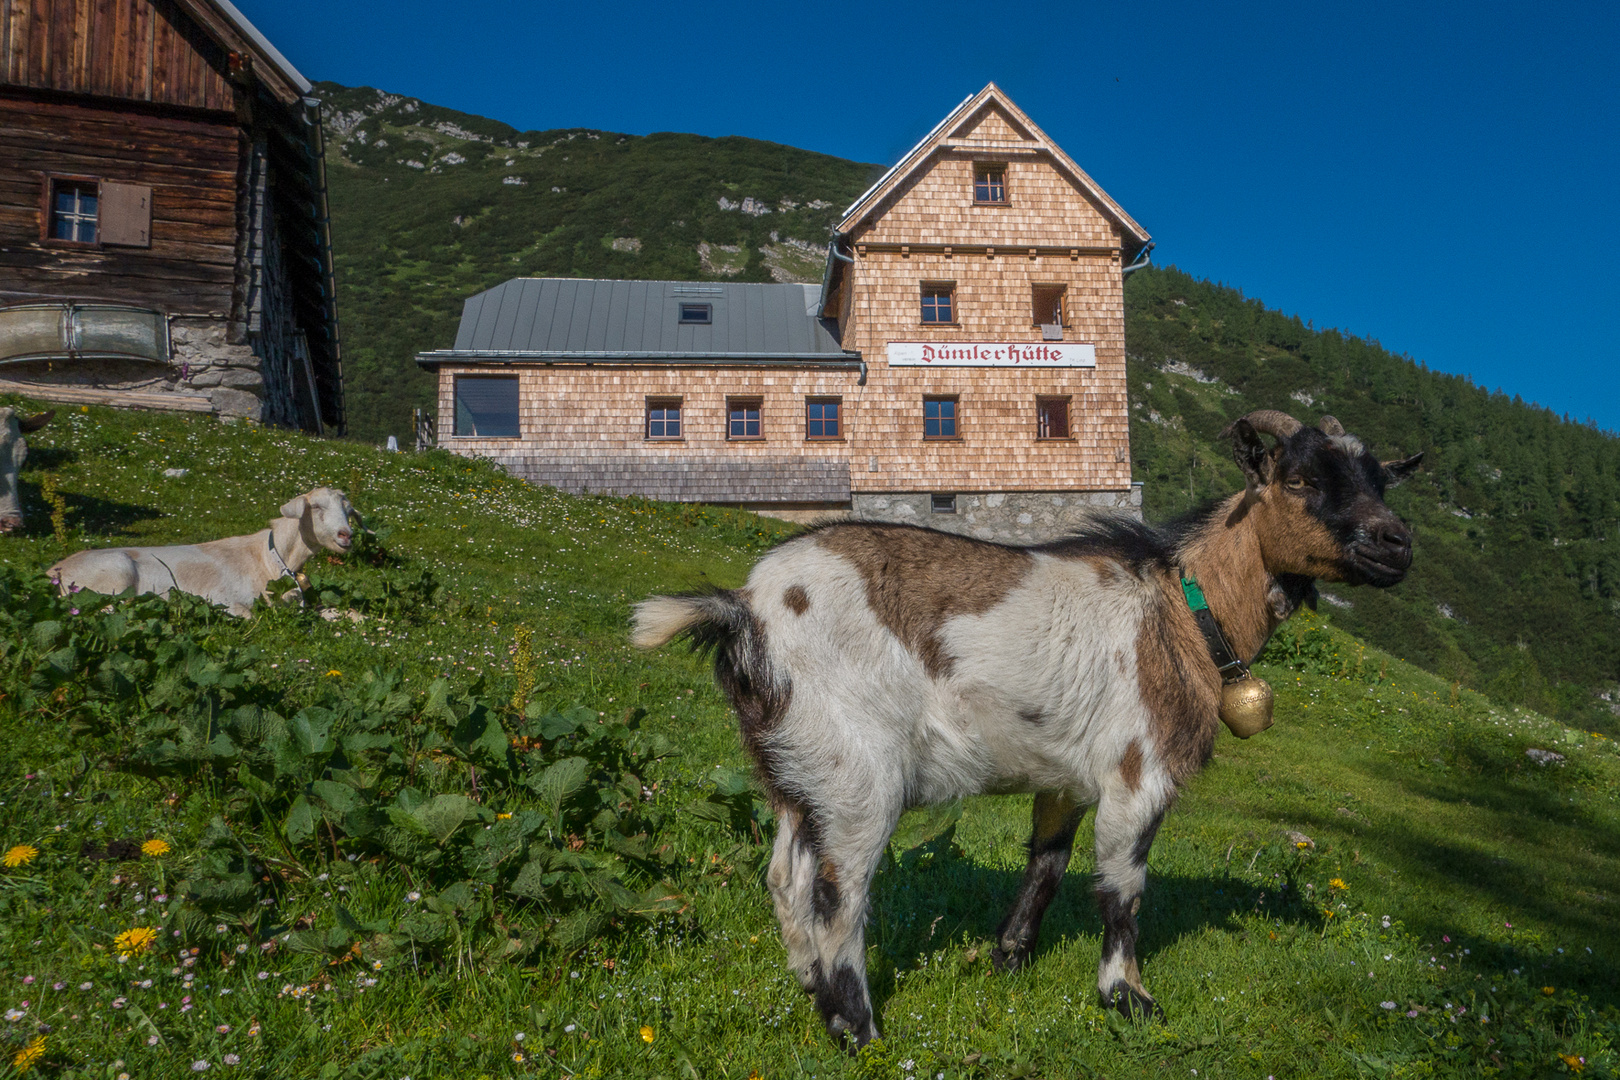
(126, 214)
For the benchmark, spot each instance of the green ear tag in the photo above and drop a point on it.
(1195, 595)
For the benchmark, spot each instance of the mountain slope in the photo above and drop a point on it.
(1516, 588)
(430, 205)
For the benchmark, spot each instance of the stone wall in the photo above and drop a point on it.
(1011, 517)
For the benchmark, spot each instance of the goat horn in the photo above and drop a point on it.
(1270, 422)
(1330, 426)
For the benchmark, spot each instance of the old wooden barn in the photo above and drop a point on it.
(163, 215)
(961, 364)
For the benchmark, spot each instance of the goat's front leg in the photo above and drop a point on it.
(1127, 821)
(1057, 817)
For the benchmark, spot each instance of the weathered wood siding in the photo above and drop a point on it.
(192, 167)
(140, 50)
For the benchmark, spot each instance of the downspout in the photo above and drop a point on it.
(1141, 260)
(323, 223)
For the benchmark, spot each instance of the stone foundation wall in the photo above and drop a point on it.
(1013, 517)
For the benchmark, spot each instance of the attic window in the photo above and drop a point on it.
(990, 184)
(1047, 302)
(697, 314)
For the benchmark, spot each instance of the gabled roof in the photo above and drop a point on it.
(586, 319)
(952, 132)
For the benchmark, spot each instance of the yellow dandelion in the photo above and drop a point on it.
(334, 673)
(503, 817)
(155, 848)
(1575, 1062)
(28, 1055)
(21, 855)
(1547, 990)
(1301, 845)
(1337, 883)
(135, 941)
(647, 1034)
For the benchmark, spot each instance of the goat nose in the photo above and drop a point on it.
(1395, 535)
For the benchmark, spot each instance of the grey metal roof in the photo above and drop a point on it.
(574, 318)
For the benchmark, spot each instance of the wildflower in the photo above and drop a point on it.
(647, 1034)
(1575, 1063)
(14, 1015)
(334, 673)
(232, 1059)
(135, 941)
(502, 817)
(1387, 1004)
(21, 855)
(413, 897)
(151, 1040)
(517, 1056)
(1337, 883)
(155, 848)
(377, 965)
(519, 1037)
(223, 1028)
(84, 986)
(199, 1066)
(1547, 990)
(28, 1055)
(253, 1030)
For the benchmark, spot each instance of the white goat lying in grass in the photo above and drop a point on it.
(233, 572)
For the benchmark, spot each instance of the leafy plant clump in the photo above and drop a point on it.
(479, 806)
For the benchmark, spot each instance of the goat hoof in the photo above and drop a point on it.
(847, 1037)
(1131, 1003)
(1009, 960)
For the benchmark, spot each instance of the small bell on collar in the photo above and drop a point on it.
(302, 579)
(1246, 705)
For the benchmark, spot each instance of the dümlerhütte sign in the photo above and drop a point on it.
(1028, 354)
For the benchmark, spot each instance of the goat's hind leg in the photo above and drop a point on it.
(791, 879)
(1127, 822)
(1057, 817)
(851, 840)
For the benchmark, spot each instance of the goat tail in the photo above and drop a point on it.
(707, 619)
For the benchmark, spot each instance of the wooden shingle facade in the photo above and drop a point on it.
(163, 228)
(970, 373)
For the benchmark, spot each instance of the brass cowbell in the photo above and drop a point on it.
(1246, 705)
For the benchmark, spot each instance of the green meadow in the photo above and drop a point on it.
(454, 826)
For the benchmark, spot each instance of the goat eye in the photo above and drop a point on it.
(1296, 483)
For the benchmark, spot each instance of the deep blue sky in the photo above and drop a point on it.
(1442, 177)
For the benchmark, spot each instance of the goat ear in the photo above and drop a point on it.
(1398, 471)
(1249, 452)
(296, 508)
(34, 423)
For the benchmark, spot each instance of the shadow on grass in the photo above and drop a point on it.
(89, 513)
(936, 898)
(1496, 842)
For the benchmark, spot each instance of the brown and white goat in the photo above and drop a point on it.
(876, 667)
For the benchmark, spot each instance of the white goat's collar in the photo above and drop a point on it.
(286, 571)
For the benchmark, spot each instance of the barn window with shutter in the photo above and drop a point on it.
(487, 406)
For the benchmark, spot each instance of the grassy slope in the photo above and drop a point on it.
(1427, 811)
(413, 243)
